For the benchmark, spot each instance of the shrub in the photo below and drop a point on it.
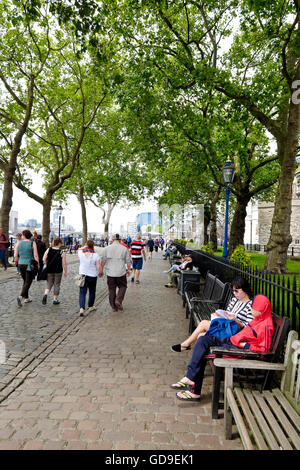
(208, 248)
(241, 256)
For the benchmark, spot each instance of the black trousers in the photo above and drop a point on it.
(27, 277)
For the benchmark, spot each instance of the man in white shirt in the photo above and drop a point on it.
(115, 258)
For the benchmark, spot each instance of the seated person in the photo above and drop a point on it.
(173, 276)
(170, 249)
(238, 310)
(256, 336)
(174, 267)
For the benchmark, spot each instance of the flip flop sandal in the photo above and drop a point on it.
(182, 386)
(187, 397)
(177, 348)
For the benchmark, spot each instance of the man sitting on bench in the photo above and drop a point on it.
(186, 265)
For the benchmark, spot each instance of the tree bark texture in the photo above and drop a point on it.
(83, 215)
(237, 229)
(280, 236)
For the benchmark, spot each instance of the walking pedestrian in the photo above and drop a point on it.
(137, 254)
(161, 242)
(16, 256)
(4, 241)
(26, 252)
(56, 262)
(156, 244)
(150, 245)
(90, 268)
(115, 257)
(41, 248)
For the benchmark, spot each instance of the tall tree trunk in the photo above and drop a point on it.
(7, 198)
(83, 215)
(206, 223)
(237, 230)
(280, 236)
(10, 170)
(47, 203)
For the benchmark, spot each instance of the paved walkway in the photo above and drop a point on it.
(102, 382)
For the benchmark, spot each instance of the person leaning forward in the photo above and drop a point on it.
(115, 257)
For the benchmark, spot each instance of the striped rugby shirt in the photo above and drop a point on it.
(241, 310)
(136, 249)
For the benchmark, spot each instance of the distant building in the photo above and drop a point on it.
(13, 222)
(147, 222)
(131, 228)
(33, 223)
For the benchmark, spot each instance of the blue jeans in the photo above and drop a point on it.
(173, 268)
(3, 257)
(196, 366)
(90, 284)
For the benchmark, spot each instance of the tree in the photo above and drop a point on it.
(24, 55)
(260, 71)
(68, 99)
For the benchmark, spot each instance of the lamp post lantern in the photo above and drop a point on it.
(59, 210)
(228, 171)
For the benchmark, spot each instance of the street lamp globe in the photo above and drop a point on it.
(228, 171)
(59, 210)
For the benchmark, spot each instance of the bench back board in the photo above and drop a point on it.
(209, 284)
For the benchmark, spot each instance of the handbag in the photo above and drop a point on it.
(42, 276)
(80, 280)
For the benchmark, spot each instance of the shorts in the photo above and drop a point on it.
(137, 263)
(150, 248)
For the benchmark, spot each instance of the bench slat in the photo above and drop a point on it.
(262, 423)
(282, 418)
(239, 421)
(251, 420)
(284, 443)
(286, 404)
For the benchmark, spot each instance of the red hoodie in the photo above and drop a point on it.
(258, 333)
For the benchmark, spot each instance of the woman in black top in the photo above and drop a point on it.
(56, 266)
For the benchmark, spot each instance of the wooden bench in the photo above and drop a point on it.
(201, 306)
(243, 375)
(268, 419)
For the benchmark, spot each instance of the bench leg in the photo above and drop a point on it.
(228, 384)
(218, 373)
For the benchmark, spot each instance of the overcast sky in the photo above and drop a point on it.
(27, 208)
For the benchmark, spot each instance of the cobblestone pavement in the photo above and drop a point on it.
(24, 329)
(104, 382)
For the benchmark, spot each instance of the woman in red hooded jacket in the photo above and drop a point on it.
(256, 336)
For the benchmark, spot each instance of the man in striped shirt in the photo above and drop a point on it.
(137, 254)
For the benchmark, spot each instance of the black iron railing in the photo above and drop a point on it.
(282, 290)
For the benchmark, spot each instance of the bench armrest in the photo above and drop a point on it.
(236, 352)
(248, 364)
(207, 301)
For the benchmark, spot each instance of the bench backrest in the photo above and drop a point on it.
(290, 381)
(281, 328)
(220, 290)
(209, 284)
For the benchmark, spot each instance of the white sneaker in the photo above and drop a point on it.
(81, 312)
(91, 309)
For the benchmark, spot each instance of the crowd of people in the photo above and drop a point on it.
(119, 259)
